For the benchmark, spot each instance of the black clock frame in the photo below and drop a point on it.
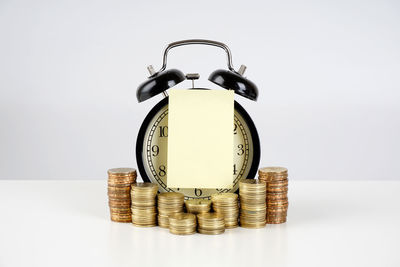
(142, 131)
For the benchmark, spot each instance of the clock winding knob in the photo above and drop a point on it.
(192, 77)
(242, 69)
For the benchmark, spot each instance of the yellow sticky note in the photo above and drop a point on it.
(200, 139)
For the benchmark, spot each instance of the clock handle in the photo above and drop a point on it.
(160, 81)
(197, 41)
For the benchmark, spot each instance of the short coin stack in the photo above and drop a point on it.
(168, 204)
(210, 223)
(143, 196)
(196, 206)
(182, 223)
(227, 205)
(252, 203)
(119, 193)
(277, 193)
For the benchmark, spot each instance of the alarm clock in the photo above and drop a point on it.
(152, 139)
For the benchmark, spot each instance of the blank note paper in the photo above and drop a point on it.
(200, 139)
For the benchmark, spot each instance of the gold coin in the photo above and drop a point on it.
(182, 223)
(211, 221)
(144, 221)
(163, 219)
(144, 225)
(170, 210)
(119, 205)
(119, 196)
(121, 215)
(198, 202)
(253, 225)
(121, 184)
(124, 189)
(118, 201)
(273, 170)
(231, 225)
(187, 232)
(145, 186)
(151, 219)
(144, 194)
(210, 216)
(120, 210)
(227, 205)
(252, 188)
(119, 192)
(224, 197)
(281, 189)
(252, 183)
(117, 177)
(196, 206)
(121, 220)
(211, 232)
(179, 217)
(276, 220)
(276, 197)
(273, 177)
(253, 198)
(143, 203)
(122, 171)
(278, 205)
(212, 224)
(144, 209)
(121, 176)
(277, 209)
(170, 196)
(118, 217)
(253, 205)
(278, 213)
(274, 184)
(169, 203)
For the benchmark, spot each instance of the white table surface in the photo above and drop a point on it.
(66, 223)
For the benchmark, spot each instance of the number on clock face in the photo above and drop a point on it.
(155, 147)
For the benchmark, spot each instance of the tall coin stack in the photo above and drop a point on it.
(227, 205)
(211, 223)
(196, 206)
(277, 193)
(143, 208)
(168, 204)
(119, 193)
(252, 203)
(182, 223)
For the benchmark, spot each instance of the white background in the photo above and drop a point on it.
(327, 72)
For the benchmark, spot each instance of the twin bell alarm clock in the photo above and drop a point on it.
(152, 140)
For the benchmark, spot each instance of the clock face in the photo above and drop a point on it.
(152, 150)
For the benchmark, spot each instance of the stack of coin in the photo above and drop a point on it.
(196, 206)
(143, 197)
(182, 223)
(227, 205)
(252, 203)
(211, 223)
(119, 193)
(277, 193)
(168, 204)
